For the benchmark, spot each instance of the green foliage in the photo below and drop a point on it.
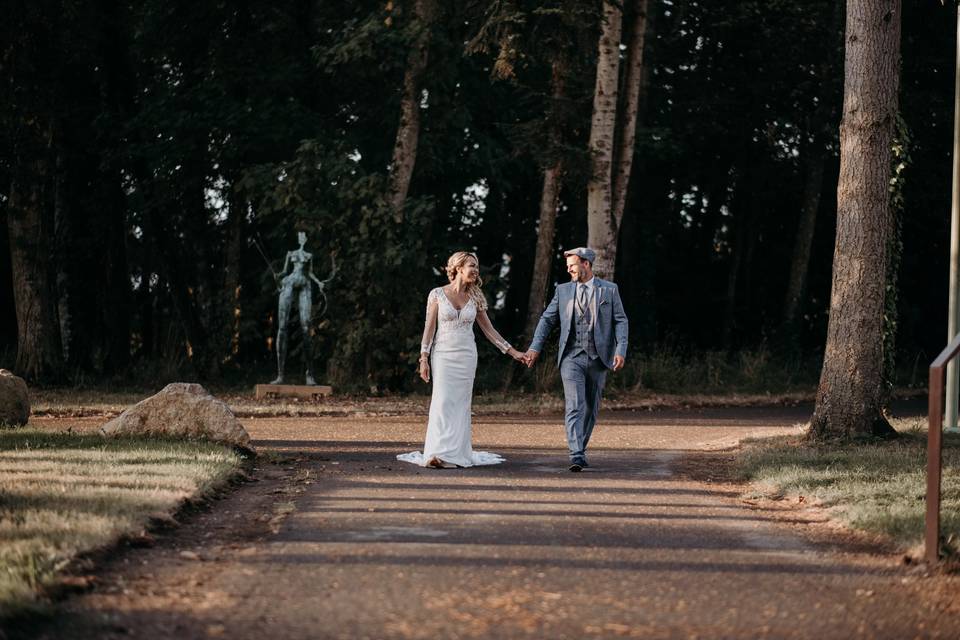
(670, 370)
(900, 162)
(176, 120)
(374, 312)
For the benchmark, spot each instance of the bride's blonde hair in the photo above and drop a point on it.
(456, 261)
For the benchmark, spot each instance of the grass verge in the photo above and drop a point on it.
(62, 495)
(877, 487)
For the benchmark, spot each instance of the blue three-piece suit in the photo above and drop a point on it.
(593, 329)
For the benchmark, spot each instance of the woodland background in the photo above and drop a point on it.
(154, 157)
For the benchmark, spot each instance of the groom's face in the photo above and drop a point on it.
(576, 269)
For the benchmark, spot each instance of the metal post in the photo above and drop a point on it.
(953, 319)
(931, 542)
(934, 445)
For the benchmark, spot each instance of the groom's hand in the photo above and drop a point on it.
(530, 357)
(618, 363)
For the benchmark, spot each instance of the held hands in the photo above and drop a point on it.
(530, 357)
(516, 355)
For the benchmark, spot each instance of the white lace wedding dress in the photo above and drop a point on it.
(453, 365)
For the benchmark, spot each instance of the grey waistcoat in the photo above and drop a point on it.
(581, 338)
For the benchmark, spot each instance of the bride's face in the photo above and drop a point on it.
(469, 271)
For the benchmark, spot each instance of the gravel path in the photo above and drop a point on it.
(336, 539)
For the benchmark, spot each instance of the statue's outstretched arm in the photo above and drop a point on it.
(333, 272)
(333, 267)
(310, 274)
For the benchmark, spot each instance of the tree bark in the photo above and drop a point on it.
(601, 234)
(116, 308)
(29, 224)
(546, 227)
(408, 131)
(849, 397)
(739, 248)
(814, 158)
(232, 282)
(543, 258)
(628, 122)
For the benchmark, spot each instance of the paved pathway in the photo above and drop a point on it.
(358, 545)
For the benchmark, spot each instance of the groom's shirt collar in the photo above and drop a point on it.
(591, 283)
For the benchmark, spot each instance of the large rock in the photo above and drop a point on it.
(14, 400)
(181, 410)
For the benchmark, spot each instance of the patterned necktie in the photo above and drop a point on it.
(582, 299)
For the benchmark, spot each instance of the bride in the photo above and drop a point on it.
(451, 311)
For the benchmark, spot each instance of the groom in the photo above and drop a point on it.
(593, 339)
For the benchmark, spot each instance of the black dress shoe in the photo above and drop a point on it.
(576, 467)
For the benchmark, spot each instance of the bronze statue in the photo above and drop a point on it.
(299, 284)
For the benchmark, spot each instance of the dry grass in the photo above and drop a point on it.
(873, 486)
(62, 495)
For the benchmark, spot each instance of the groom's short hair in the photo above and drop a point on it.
(583, 253)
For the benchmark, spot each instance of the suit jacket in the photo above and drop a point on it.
(610, 327)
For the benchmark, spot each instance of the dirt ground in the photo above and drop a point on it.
(332, 537)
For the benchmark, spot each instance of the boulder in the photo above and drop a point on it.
(14, 400)
(181, 410)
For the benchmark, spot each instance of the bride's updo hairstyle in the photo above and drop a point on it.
(456, 261)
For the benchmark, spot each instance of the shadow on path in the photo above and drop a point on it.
(375, 548)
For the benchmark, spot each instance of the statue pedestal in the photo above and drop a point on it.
(308, 392)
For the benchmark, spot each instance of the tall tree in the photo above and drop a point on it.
(547, 218)
(31, 66)
(30, 228)
(613, 129)
(408, 130)
(627, 134)
(850, 394)
(540, 47)
(601, 232)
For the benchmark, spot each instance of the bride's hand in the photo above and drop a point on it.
(516, 355)
(425, 370)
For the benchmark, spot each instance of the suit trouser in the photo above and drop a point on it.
(583, 379)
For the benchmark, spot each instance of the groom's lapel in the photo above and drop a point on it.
(597, 299)
(568, 305)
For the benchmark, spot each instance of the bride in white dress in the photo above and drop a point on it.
(448, 335)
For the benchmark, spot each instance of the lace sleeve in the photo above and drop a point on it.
(487, 327)
(430, 324)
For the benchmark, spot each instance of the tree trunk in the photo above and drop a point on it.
(232, 282)
(543, 258)
(600, 223)
(849, 397)
(408, 131)
(733, 276)
(59, 247)
(117, 92)
(116, 308)
(628, 121)
(29, 224)
(546, 227)
(813, 157)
